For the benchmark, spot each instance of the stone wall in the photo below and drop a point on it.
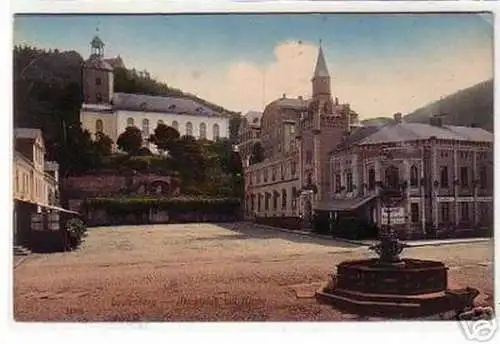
(113, 184)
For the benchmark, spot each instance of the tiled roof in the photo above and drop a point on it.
(253, 118)
(321, 70)
(178, 105)
(420, 131)
(356, 136)
(295, 103)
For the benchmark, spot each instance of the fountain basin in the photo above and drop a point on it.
(411, 288)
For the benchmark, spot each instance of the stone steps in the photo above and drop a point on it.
(21, 251)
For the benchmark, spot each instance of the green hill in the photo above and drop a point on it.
(472, 105)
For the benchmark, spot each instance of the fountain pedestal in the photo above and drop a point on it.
(391, 287)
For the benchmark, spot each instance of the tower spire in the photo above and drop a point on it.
(321, 70)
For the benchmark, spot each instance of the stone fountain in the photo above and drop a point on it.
(392, 287)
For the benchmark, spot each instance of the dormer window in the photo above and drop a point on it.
(143, 106)
(171, 107)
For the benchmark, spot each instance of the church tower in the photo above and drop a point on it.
(97, 75)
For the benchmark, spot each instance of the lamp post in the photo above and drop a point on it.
(389, 247)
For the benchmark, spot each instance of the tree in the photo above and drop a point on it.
(257, 154)
(130, 140)
(103, 144)
(164, 137)
(190, 159)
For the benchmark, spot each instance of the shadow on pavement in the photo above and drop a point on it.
(248, 230)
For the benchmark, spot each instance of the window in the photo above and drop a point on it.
(371, 179)
(130, 122)
(189, 129)
(203, 131)
(265, 175)
(337, 183)
(266, 201)
(275, 200)
(349, 182)
(483, 177)
(445, 211)
(98, 126)
(145, 127)
(98, 98)
(444, 176)
(392, 177)
(309, 179)
(282, 172)
(252, 203)
(175, 125)
(464, 178)
(414, 176)
(465, 211)
(309, 156)
(294, 196)
(293, 168)
(259, 201)
(273, 175)
(216, 133)
(98, 81)
(283, 199)
(414, 212)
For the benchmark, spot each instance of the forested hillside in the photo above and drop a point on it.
(470, 106)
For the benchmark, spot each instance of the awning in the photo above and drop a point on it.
(344, 204)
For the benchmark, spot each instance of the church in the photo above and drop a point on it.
(108, 112)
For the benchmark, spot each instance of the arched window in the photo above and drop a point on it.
(259, 201)
(203, 131)
(275, 200)
(216, 133)
(392, 177)
(414, 176)
(349, 181)
(130, 122)
(175, 125)
(371, 179)
(189, 128)
(283, 198)
(145, 127)
(98, 126)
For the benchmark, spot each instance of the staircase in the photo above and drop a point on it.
(21, 251)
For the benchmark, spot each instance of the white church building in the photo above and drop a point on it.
(110, 112)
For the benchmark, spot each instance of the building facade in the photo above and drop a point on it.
(35, 181)
(319, 161)
(110, 112)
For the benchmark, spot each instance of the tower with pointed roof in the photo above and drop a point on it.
(321, 77)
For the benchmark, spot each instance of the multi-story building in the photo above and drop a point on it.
(110, 112)
(445, 173)
(248, 134)
(296, 136)
(319, 160)
(35, 181)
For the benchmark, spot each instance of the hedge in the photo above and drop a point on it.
(178, 204)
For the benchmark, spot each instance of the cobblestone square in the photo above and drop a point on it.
(207, 272)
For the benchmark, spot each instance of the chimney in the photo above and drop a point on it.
(336, 101)
(398, 117)
(284, 96)
(436, 121)
(300, 98)
(474, 125)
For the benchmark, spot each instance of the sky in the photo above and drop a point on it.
(379, 63)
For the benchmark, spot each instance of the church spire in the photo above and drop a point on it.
(321, 70)
(321, 77)
(97, 45)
